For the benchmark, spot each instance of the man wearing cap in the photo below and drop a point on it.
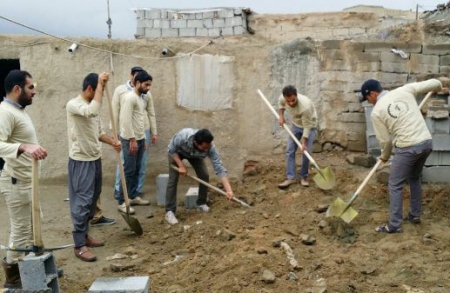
(304, 124)
(396, 113)
(132, 137)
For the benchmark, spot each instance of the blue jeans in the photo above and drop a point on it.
(117, 184)
(131, 166)
(407, 165)
(292, 149)
(143, 169)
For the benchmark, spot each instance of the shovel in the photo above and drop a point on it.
(325, 178)
(339, 208)
(213, 187)
(132, 222)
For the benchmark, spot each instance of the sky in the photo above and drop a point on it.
(87, 18)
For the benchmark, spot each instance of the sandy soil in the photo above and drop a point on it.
(228, 249)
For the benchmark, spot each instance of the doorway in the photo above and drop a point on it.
(6, 65)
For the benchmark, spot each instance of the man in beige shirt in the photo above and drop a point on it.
(85, 167)
(18, 146)
(304, 127)
(132, 137)
(396, 113)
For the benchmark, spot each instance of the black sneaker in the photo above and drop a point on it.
(104, 221)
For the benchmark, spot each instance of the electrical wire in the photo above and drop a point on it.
(103, 50)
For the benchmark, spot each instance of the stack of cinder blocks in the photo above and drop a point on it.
(214, 22)
(437, 166)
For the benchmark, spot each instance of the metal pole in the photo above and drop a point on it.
(417, 11)
(109, 22)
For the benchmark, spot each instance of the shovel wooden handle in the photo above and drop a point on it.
(119, 161)
(35, 206)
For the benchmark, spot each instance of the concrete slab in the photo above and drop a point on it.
(152, 33)
(187, 32)
(178, 23)
(169, 32)
(121, 285)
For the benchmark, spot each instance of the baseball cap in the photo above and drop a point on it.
(369, 86)
(136, 69)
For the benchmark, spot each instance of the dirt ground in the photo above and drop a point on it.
(228, 249)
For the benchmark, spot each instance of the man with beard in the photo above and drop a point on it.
(132, 137)
(18, 146)
(85, 166)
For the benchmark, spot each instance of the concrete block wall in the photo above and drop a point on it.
(214, 22)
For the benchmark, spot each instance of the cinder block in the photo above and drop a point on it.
(121, 285)
(424, 59)
(444, 69)
(353, 117)
(153, 14)
(441, 142)
(191, 198)
(220, 22)
(442, 49)
(140, 13)
(233, 21)
(436, 174)
(144, 23)
(178, 23)
(152, 33)
(239, 30)
(396, 67)
(227, 31)
(39, 273)
(209, 15)
(441, 126)
(164, 14)
(391, 57)
(189, 16)
(161, 23)
(208, 23)
(444, 159)
(161, 187)
(224, 13)
(444, 60)
(433, 159)
(199, 16)
(201, 32)
(169, 32)
(194, 23)
(214, 32)
(187, 32)
(140, 31)
(237, 11)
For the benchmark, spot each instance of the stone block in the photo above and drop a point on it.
(140, 31)
(161, 187)
(144, 23)
(208, 23)
(433, 159)
(224, 13)
(356, 145)
(392, 79)
(140, 13)
(334, 54)
(161, 23)
(191, 198)
(436, 174)
(239, 30)
(152, 33)
(227, 31)
(340, 32)
(444, 69)
(334, 85)
(444, 159)
(396, 67)
(153, 14)
(444, 60)
(121, 285)
(391, 57)
(337, 65)
(367, 57)
(219, 22)
(355, 107)
(210, 15)
(353, 117)
(38, 273)
(199, 16)
(356, 31)
(202, 32)
(367, 66)
(372, 142)
(331, 44)
(190, 16)
(356, 136)
(187, 32)
(441, 49)
(169, 32)
(178, 23)
(214, 32)
(424, 59)
(238, 11)
(194, 23)
(233, 21)
(441, 126)
(386, 47)
(164, 13)
(441, 142)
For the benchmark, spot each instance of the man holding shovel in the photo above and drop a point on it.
(18, 146)
(396, 113)
(304, 124)
(193, 145)
(85, 167)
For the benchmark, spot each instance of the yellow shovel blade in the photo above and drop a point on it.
(336, 208)
(349, 215)
(325, 179)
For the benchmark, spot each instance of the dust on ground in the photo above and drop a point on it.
(230, 248)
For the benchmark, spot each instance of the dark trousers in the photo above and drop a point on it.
(171, 193)
(85, 186)
(131, 166)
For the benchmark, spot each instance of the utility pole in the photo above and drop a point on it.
(109, 22)
(417, 11)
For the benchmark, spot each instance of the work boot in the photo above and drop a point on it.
(286, 183)
(12, 275)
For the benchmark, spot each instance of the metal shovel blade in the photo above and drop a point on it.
(349, 215)
(325, 178)
(340, 208)
(133, 223)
